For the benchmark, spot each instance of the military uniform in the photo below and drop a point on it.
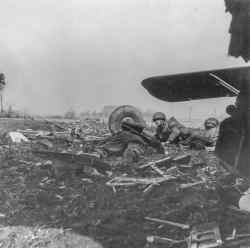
(171, 132)
(196, 138)
(162, 133)
(178, 132)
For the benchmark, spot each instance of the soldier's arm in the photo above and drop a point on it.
(203, 137)
(174, 134)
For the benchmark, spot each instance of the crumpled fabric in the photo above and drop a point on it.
(240, 28)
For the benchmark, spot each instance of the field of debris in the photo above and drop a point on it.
(124, 206)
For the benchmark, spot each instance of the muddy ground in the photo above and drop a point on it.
(32, 195)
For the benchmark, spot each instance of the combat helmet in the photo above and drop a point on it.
(159, 116)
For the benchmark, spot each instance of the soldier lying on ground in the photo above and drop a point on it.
(201, 138)
(172, 132)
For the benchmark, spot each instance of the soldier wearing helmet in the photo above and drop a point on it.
(198, 138)
(160, 121)
(168, 131)
(211, 131)
(211, 123)
(173, 132)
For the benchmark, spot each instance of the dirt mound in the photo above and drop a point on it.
(22, 237)
(33, 197)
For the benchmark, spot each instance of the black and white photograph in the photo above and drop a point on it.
(125, 124)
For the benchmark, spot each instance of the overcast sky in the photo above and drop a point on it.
(87, 53)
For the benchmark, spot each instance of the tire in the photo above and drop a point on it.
(121, 113)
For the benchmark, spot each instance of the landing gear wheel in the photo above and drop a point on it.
(125, 112)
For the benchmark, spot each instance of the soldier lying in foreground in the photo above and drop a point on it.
(172, 132)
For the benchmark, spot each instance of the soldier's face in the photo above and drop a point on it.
(159, 123)
(209, 125)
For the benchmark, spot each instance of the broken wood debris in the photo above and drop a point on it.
(182, 159)
(179, 173)
(177, 159)
(205, 235)
(172, 223)
(202, 236)
(237, 210)
(188, 185)
(237, 236)
(163, 240)
(157, 162)
(130, 181)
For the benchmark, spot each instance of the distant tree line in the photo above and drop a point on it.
(102, 114)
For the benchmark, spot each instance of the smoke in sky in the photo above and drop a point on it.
(83, 54)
